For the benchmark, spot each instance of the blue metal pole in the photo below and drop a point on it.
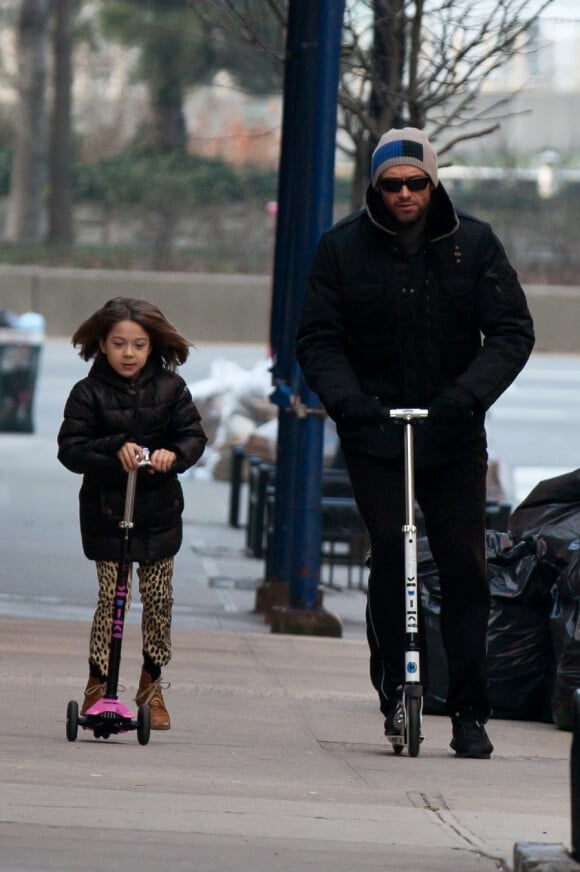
(298, 131)
(307, 559)
(305, 209)
(298, 126)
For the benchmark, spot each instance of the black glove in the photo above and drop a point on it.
(451, 413)
(359, 409)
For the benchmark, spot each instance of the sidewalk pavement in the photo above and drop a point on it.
(275, 759)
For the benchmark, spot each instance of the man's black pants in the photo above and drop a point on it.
(453, 501)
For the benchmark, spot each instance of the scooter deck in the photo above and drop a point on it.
(108, 717)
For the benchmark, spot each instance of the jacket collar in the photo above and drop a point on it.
(441, 221)
(103, 370)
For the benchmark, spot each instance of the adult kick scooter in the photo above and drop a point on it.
(109, 716)
(409, 715)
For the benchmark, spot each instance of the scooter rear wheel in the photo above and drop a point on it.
(143, 724)
(413, 725)
(72, 720)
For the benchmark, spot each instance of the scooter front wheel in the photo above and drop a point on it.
(72, 720)
(143, 724)
(413, 725)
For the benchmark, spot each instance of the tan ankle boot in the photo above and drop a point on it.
(94, 691)
(150, 693)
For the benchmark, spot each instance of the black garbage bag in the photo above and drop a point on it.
(434, 663)
(566, 642)
(565, 632)
(552, 513)
(562, 622)
(567, 573)
(521, 659)
(520, 653)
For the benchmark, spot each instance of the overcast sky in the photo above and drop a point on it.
(564, 9)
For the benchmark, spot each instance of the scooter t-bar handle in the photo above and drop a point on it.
(408, 414)
(131, 488)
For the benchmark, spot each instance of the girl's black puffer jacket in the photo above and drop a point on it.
(103, 411)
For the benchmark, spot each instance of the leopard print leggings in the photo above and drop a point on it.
(156, 591)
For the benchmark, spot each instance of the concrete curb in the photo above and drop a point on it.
(539, 857)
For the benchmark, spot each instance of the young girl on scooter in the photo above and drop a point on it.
(132, 398)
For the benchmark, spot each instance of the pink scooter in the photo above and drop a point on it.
(109, 716)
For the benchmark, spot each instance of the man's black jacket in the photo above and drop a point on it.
(405, 328)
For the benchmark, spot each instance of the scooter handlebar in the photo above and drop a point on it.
(408, 414)
(145, 460)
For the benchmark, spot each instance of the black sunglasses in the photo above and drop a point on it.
(393, 186)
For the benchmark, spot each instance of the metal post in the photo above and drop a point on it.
(236, 474)
(306, 576)
(297, 127)
(304, 211)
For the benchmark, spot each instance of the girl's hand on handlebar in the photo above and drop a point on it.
(162, 460)
(130, 455)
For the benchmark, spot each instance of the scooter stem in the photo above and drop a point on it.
(409, 475)
(130, 492)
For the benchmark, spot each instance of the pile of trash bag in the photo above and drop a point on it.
(551, 514)
(520, 658)
(534, 624)
(236, 410)
(234, 404)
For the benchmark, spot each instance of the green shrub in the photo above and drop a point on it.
(133, 177)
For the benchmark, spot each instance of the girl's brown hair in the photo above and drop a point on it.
(168, 346)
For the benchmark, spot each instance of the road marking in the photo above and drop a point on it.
(226, 601)
(211, 570)
(210, 567)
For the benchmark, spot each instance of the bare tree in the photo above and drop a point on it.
(418, 62)
(174, 52)
(379, 106)
(427, 65)
(26, 215)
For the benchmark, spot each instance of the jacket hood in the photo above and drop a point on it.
(441, 220)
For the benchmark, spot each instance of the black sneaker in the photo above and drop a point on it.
(470, 738)
(395, 720)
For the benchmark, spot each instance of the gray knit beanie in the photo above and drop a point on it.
(408, 146)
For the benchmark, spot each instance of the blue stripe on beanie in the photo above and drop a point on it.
(398, 148)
